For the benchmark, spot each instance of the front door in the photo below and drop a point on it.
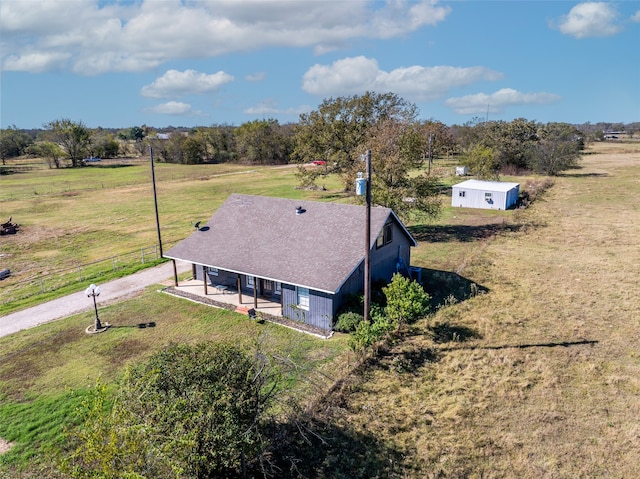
(268, 288)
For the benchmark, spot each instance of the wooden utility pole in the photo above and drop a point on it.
(367, 253)
(155, 200)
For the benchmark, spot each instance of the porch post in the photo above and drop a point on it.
(193, 270)
(255, 292)
(239, 289)
(204, 276)
(175, 273)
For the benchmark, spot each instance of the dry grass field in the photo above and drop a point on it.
(540, 376)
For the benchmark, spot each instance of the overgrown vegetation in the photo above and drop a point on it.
(188, 411)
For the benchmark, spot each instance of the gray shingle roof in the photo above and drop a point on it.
(264, 237)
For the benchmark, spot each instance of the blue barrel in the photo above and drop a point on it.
(361, 186)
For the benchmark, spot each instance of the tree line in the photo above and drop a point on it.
(337, 132)
(335, 136)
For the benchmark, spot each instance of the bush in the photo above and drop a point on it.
(406, 300)
(347, 322)
(190, 410)
(368, 334)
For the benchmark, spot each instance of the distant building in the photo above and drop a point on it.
(492, 195)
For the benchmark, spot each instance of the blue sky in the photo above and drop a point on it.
(117, 64)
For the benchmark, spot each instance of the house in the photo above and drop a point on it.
(494, 195)
(306, 255)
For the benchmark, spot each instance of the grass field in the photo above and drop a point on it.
(73, 217)
(536, 377)
(539, 377)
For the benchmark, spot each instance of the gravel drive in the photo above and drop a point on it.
(66, 306)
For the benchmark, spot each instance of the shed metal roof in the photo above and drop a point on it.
(265, 237)
(487, 185)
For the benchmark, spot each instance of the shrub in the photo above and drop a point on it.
(406, 300)
(368, 334)
(347, 322)
(189, 410)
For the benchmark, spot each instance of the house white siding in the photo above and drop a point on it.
(493, 195)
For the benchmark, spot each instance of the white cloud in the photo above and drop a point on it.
(36, 62)
(496, 102)
(174, 108)
(100, 37)
(255, 77)
(270, 107)
(590, 19)
(359, 74)
(189, 82)
(636, 17)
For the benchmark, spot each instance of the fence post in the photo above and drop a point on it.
(155, 249)
(113, 261)
(41, 285)
(142, 251)
(80, 272)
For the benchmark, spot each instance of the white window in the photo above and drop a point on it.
(212, 271)
(278, 288)
(250, 283)
(303, 297)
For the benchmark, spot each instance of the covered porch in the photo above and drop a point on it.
(227, 297)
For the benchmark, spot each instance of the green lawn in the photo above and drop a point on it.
(45, 371)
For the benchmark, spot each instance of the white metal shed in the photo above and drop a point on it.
(493, 195)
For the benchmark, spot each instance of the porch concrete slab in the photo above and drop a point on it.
(195, 288)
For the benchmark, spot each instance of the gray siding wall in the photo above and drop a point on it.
(353, 285)
(319, 314)
(384, 260)
(223, 277)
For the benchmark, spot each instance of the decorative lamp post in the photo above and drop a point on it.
(92, 292)
(363, 186)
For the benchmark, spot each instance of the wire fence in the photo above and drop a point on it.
(53, 280)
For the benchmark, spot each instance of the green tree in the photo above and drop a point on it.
(511, 142)
(396, 149)
(262, 142)
(48, 150)
(195, 150)
(222, 144)
(339, 129)
(483, 162)
(73, 137)
(104, 145)
(188, 412)
(559, 148)
(437, 140)
(13, 143)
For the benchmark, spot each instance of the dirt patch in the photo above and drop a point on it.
(4, 446)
